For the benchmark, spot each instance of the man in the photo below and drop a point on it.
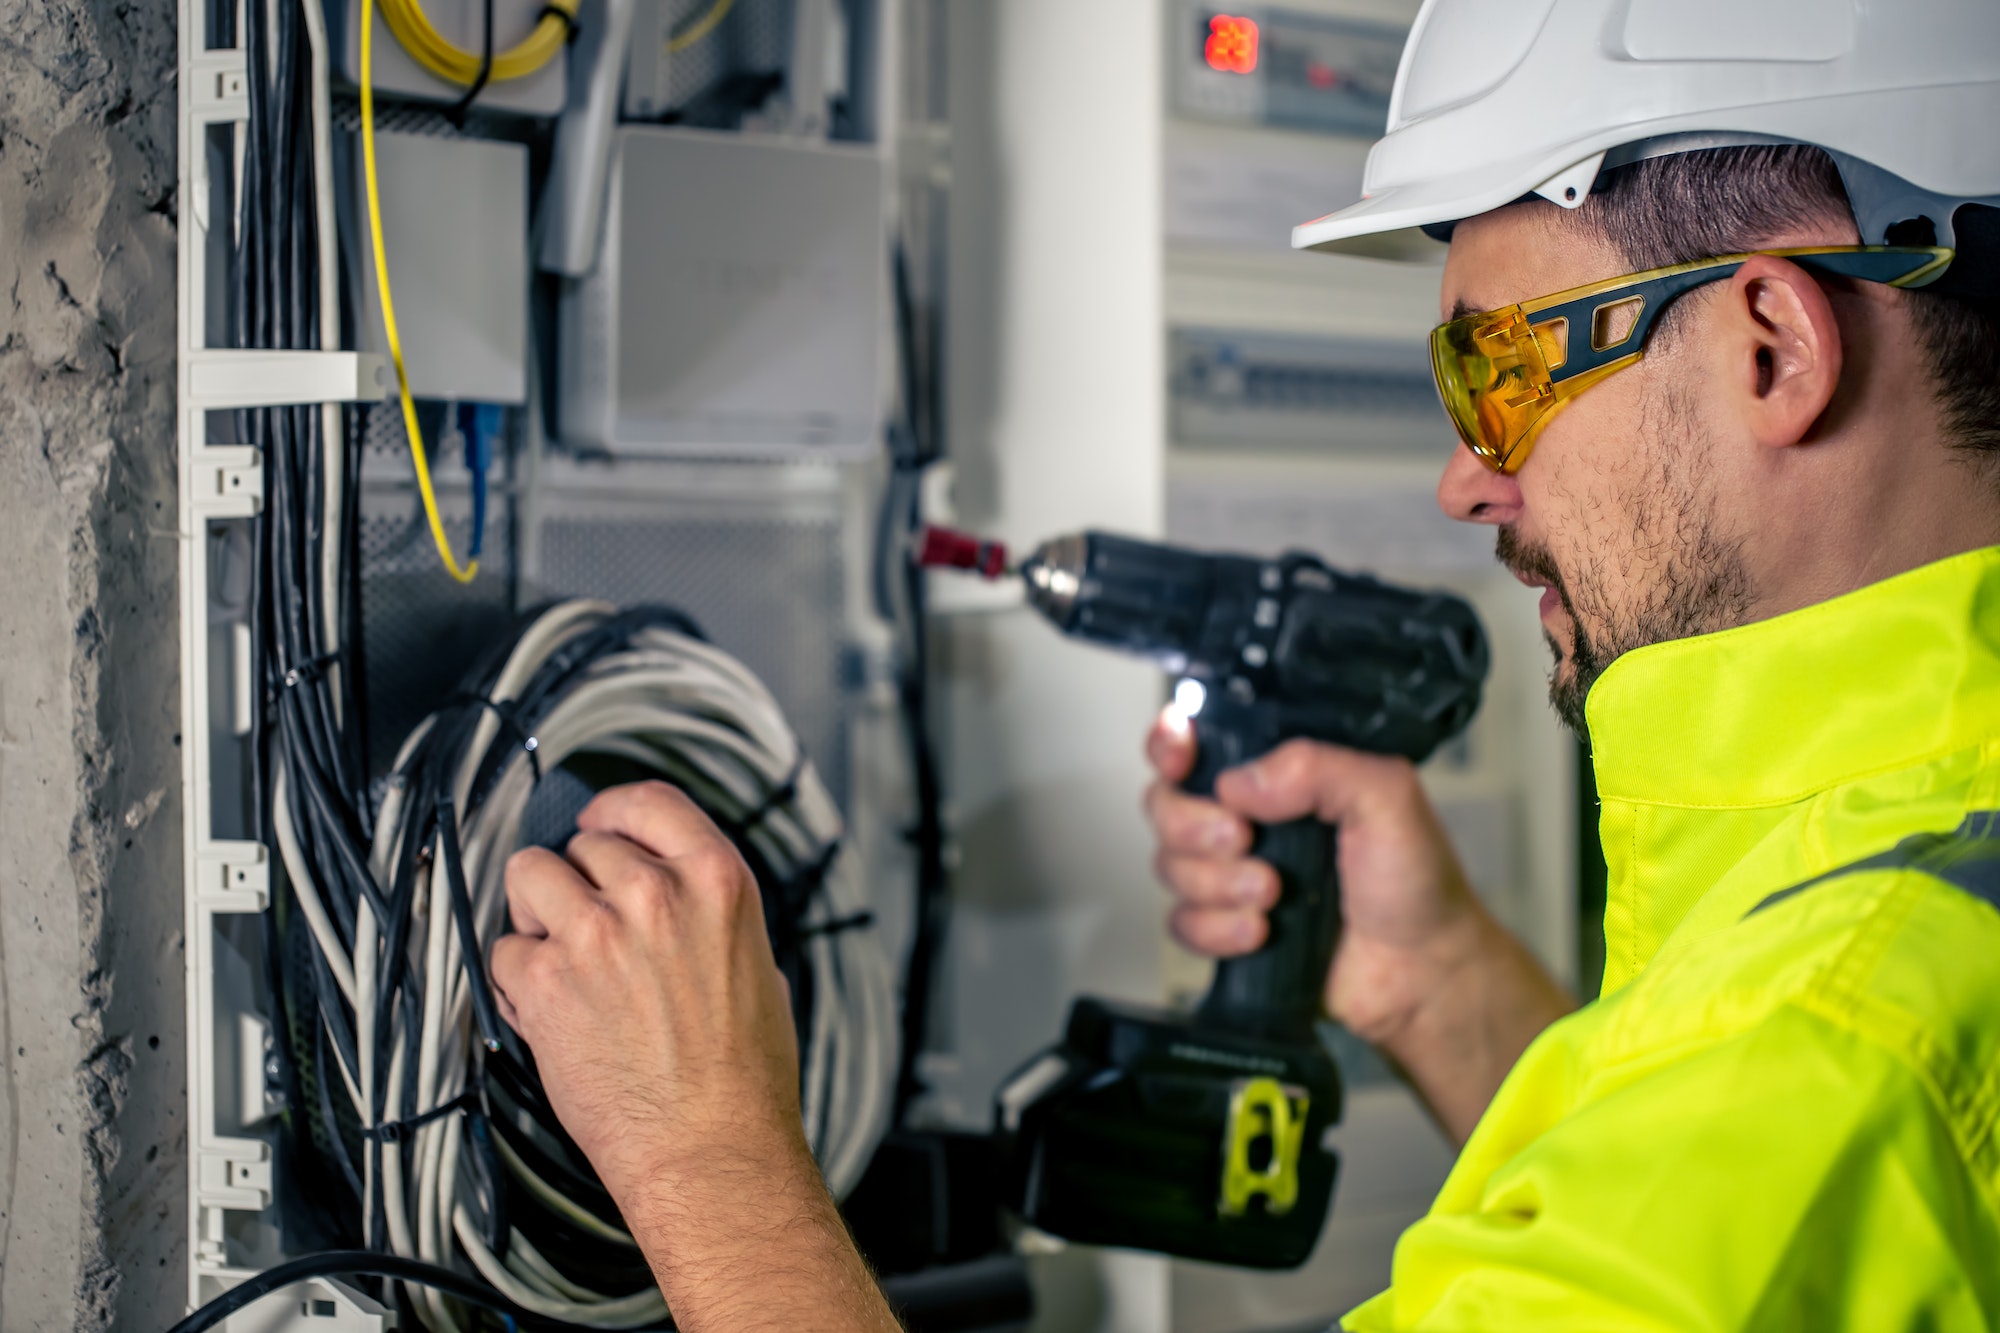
(1760, 490)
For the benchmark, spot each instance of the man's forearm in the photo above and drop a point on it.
(753, 1243)
(1490, 1000)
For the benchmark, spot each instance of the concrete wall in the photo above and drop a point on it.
(92, 1132)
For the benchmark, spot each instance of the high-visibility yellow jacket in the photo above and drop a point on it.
(1783, 1112)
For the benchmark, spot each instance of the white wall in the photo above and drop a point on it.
(1055, 423)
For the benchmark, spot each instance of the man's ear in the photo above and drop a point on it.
(1785, 349)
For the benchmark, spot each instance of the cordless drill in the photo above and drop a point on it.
(1202, 1135)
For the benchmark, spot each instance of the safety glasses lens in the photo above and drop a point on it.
(1493, 374)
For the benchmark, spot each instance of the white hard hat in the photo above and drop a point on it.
(1499, 99)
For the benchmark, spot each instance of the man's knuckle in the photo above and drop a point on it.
(539, 972)
(715, 865)
(595, 925)
(656, 791)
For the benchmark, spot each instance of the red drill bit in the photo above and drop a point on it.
(947, 548)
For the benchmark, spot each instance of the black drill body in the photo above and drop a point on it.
(1201, 1136)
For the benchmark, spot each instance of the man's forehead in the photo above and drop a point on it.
(1518, 253)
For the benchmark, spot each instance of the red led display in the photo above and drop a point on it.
(1232, 44)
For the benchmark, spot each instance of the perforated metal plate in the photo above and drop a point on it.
(754, 38)
(420, 631)
(765, 583)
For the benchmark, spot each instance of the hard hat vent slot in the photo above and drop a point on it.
(1911, 231)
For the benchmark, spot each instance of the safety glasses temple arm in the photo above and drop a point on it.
(1896, 266)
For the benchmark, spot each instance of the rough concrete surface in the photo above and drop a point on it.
(92, 1121)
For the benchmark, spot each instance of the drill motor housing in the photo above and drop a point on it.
(1202, 1135)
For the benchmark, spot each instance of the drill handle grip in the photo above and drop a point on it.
(1276, 990)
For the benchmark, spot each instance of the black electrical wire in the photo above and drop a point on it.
(457, 111)
(356, 1263)
(484, 1009)
(899, 595)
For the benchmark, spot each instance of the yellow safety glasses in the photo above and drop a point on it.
(1502, 374)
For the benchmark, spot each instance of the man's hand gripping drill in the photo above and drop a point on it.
(1306, 697)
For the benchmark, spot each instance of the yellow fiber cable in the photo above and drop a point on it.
(700, 28)
(465, 573)
(454, 64)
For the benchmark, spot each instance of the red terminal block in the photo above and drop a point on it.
(947, 548)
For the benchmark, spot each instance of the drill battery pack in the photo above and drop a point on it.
(1147, 1129)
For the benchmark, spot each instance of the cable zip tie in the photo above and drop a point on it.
(456, 114)
(781, 795)
(510, 720)
(861, 920)
(395, 1131)
(309, 671)
(814, 875)
(567, 19)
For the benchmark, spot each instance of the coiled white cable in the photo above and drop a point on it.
(678, 707)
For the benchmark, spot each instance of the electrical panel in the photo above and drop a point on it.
(691, 418)
(1279, 390)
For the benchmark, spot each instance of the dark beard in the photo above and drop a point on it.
(1702, 584)
(1566, 693)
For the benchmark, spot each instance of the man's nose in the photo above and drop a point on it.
(1471, 492)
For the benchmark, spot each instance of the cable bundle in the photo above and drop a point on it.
(455, 1140)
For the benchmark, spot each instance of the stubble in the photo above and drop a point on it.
(1667, 570)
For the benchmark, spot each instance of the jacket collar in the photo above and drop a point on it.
(1772, 713)
(1703, 745)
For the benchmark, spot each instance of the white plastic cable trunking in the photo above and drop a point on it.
(223, 877)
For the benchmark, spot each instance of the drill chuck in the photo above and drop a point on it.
(1143, 598)
(1054, 577)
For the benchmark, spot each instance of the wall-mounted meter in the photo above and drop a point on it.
(1262, 65)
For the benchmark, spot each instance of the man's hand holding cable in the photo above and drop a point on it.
(641, 975)
(1422, 971)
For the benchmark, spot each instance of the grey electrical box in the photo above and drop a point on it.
(737, 308)
(455, 229)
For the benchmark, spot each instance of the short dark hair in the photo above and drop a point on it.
(1718, 201)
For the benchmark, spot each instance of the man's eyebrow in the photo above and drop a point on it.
(1459, 309)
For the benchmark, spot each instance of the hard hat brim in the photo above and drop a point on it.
(1389, 224)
